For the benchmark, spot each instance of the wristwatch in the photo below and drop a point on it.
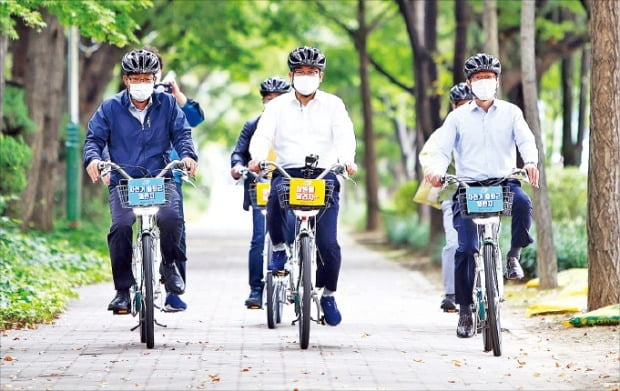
(532, 163)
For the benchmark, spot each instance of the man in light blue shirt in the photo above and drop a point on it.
(483, 135)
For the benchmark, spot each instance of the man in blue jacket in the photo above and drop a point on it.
(139, 126)
(269, 89)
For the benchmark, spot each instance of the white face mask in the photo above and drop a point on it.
(141, 91)
(484, 89)
(306, 85)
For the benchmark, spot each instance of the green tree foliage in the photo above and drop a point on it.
(107, 21)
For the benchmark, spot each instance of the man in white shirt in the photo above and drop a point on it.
(303, 122)
(483, 134)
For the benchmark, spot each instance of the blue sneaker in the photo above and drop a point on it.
(330, 310)
(174, 303)
(277, 261)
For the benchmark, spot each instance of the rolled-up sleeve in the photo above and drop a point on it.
(524, 138)
(262, 140)
(444, 139)
(344, 134)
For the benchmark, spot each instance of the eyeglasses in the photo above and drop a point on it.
(299, 72)
(136, 80)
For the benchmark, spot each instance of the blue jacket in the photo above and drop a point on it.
(141, 149)
(241, 153)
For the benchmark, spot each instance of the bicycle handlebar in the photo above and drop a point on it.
(336, 168)
(517, 173)
(107, 166)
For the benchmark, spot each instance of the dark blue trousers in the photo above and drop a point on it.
(257, 244)
(120, 237)
(180, 262)
(468, 240)
(329, 255)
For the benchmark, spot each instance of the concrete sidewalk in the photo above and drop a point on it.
(393, 336)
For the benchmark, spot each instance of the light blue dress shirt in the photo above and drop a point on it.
(483, 142)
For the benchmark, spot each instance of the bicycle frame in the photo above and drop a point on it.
(301, 265)
(145, 295)
(488, 287)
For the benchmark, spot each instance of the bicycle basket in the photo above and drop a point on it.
(485, 203)
(305, 194)
(145, 192)
(259, 194)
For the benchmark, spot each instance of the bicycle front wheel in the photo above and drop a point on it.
(147, 315)
(305, 291)
(272, 301)
(493, 319)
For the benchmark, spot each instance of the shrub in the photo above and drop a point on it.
(568, 194)
(406, 230)
(15, 158)
(40, 273)
(403, 198)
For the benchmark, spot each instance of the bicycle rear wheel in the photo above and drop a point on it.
(305, 291)
(494, 329)
(147, 315)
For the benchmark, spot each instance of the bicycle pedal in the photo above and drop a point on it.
(450, 310)
(279, 273)
(254, 307)
(121, 312)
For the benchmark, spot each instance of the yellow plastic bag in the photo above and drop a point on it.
(428, 195)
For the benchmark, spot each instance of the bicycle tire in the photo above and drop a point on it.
(305, 291)
(272, 303)
(148, 318)
(493, 319)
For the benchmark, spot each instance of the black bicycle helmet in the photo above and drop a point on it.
(306, 55)
(274, 84)
(140, 61)
(460, 92)
(482, 62)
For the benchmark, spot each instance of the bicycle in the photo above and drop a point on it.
(258, 191)
(485, 202)
(305, 197)
(145, 196)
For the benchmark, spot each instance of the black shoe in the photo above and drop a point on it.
(448, 304)
(121, 304)
(513, 269)
(172, 278)
(255, 300)
(465, 329)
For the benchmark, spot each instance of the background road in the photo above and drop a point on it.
(393, 335)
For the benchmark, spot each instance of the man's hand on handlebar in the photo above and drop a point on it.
(254, 166)
(190, 165)
(532, 173)
(235, 172)
(351, 168)
(434, 179)
(93, 170)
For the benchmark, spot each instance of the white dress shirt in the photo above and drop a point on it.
(483, 142)
(322, 128)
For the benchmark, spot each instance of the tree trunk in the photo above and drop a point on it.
(604, 164)
(491, 37)
(96, 72)
(584, 85)
(4, 43)
(43, 86)
(461, 16)
(372, 198)
(545, 255)
(567, 69)
(420, 19)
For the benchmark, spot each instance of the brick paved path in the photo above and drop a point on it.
(393, 336)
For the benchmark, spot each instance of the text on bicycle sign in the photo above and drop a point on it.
(307, 192)
(146, 191)
(485, 199)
